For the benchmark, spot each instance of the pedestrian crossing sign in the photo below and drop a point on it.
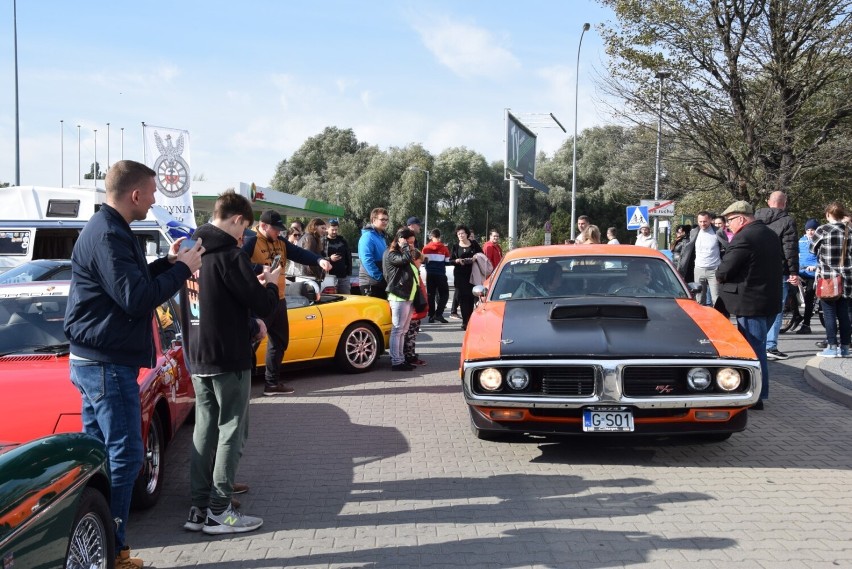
(637, 216)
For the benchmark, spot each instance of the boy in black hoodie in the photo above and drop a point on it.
(217, 321)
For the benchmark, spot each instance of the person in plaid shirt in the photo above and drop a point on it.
(828, 245)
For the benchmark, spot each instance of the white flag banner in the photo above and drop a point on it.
(167, 153)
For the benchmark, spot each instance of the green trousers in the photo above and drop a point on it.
(221, 429)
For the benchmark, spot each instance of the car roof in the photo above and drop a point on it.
(583, 251)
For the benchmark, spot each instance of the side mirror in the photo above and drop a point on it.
(480, 291)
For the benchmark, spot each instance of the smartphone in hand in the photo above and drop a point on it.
(188, 243)
(275, 262)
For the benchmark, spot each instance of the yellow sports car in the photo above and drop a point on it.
(351, 330)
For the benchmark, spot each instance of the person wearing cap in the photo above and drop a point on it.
(808, 264)
(337, 250)
(782, 223)
(262, 248)
(645, 239)
(750, 281)
(414, 224)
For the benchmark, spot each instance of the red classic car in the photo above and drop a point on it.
(38, 398)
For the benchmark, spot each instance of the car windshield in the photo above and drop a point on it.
(29, 272)
(576, 276)
(31, 324)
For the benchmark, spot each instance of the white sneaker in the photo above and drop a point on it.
(230, 521)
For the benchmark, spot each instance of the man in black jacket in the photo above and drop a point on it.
(337, 251)
(750, 277)
(217, 318)
(114, 292)
(778, 220)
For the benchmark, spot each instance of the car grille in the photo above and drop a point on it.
(654, 381)
(568, 381)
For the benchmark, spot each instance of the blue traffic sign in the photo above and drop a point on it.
(637, 216)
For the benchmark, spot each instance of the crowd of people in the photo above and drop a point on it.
(747, 259)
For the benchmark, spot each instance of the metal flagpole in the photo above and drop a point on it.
(61, 154)
(79, 160)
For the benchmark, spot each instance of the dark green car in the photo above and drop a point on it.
(54, 504)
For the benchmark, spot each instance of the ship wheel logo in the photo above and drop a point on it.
(172, 170)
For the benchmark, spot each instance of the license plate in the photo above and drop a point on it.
(607, 420)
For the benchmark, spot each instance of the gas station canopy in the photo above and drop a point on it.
(204, 197)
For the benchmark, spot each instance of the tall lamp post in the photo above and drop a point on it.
(574, 161)
(426, 216)
(17, 116)
(661, 75)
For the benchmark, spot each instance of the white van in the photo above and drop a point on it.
(43, 223)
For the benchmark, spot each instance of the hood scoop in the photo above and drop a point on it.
(620, 309)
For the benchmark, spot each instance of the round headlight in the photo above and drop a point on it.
(728, 379)
(490, 379)
(698, 378)
(518, 378)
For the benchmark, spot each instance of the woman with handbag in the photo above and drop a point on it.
(833, 249)
(402, 287)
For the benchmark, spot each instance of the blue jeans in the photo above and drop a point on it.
(836, 313)
(775, 328)
(754, 330)
(400, 319)
(112, 413)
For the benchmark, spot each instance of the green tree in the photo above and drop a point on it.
(95, 168)
(759, 89)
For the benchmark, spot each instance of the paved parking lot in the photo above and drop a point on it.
(380, 470)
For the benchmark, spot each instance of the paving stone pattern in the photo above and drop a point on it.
(380, 470)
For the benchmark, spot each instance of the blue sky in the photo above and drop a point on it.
(252, 80)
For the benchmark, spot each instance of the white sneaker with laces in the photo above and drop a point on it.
(230, 521)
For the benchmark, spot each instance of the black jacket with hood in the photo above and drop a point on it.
(784, 226)
(219, 301)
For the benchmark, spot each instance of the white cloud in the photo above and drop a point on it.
(468, 50)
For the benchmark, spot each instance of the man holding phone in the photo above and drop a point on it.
(217, 311)
(263, 248)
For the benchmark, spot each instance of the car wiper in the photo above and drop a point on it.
(55, 348)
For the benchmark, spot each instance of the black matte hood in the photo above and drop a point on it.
(602, 328)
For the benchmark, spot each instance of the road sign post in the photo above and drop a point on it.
(637, 216)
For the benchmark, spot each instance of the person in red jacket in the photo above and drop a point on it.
(492, 248)
(436, 255)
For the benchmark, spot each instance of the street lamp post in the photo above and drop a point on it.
(574, 161)
(426, 215)
(661, 75)
(17, 116)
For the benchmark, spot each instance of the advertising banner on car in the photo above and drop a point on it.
(167, 153)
